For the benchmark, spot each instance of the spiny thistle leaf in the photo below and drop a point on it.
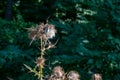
(32, 70)
(28, 67)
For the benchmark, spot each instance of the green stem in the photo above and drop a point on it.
(41, 67)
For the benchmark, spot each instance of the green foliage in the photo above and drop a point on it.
(14, 49)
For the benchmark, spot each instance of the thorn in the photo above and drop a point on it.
(56, 42)
(32, 40)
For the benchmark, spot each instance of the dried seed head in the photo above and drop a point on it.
(96, 76)
(40, 61)
(44, 31)
(73, 75)
(57, 73)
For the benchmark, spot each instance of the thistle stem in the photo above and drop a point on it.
(41, 67)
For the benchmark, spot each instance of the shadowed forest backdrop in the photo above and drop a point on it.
(88, 33)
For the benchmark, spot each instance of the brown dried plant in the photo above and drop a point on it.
(42, 32)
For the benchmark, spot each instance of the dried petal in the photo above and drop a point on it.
(32, 33)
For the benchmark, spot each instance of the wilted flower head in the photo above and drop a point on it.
(73, 75)
(44, 31)
(96, 76)
(40, 61)
(57, 73)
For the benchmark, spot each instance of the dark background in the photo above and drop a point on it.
(88, 33)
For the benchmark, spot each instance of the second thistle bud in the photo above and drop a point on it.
(73, 75)
(57, 73)
(40, 61)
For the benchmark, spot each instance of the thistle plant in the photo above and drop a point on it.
(42, 32)
(45, 32)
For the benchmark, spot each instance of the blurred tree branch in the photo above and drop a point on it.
(8, 11)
